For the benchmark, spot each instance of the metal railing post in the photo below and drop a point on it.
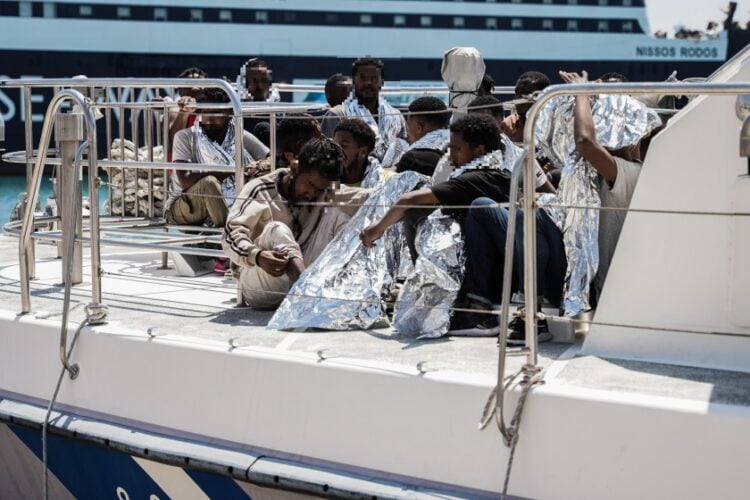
(272, 126)
(69, 134)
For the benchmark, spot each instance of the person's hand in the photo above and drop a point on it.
(273, 262)
(186, 104)
(371, 234)
(574, 77)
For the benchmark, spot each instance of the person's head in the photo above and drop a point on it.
(319, 163)
(612, 77)
(257, 79)
(473, 136)
(214, 122)
(527, 85)
(194, 92)
(487, 105)
(367, 78)
(293, 132)
(487, 85)
(356, 139)
(426, 114)
(338, 87)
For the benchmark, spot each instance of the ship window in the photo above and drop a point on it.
(365, 19)
(225, 16)
(572, 25)
(602, 26)
(196, 15)
(458, 22)
(572, 2)
(24, 9)
(516, 24)
(627, 26)
(627, 3)
(425, 21)
(399, 20)
(85, 10)
(548, 25)
(603, 2)
(548, 2)
(48, 9)
(160, 14)
(332, 18)
(261, 16)
(517, 1)
(123, 12)
(290, 17)
(490, 23)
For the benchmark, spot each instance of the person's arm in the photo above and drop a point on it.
(180, 120)
(397, 212)
(585, 133)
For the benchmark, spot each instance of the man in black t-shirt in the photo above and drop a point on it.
(427, 124)
(473, 137)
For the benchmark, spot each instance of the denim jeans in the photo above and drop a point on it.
(486, 228)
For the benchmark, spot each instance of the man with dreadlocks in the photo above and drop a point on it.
(366, 103)
(199, 196)
(278, 226)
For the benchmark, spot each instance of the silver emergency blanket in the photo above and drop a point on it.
(423, 308)
(390, 125)
(492, 160)
(342, 289)
(208, 151)
(620, 121)
(437, 140)
(374, 174)
(462, 71)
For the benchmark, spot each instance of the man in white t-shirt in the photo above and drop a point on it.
(197, 196)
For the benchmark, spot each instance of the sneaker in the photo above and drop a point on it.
(517, 335)
(220, 267)
(466, 324)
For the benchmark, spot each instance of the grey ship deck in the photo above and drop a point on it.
(144, 298)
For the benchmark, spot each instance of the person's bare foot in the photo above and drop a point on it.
(295, 268)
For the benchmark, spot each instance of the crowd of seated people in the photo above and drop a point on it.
(282, 220)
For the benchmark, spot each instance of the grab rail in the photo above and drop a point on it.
(526, 165)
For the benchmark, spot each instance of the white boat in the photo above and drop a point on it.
(305, 40)
(180, 394)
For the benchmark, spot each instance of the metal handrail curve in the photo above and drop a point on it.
(526, 165)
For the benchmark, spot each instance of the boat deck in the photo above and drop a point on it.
(144, 298)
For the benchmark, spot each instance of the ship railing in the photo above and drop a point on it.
(524, 172)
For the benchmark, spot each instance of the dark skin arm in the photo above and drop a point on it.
(396, 213)
(585, 134)
(187, 179)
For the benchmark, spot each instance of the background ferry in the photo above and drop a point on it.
(303, 40)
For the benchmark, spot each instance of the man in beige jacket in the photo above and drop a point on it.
(279, 224)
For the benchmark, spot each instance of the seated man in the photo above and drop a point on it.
(427, 126)
(293, 132)
(368, 105)
(337, 89)
(198, 195)
(475, 145)
(185, 115)
(272, 233)
(486, 229)
(489, 105)
(528, 87)
(357, 141)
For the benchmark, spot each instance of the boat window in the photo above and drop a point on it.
(516, 24)
(603, 2)
(459, 22)
(365, 19)
(490, 23)
(332, 18)
(572, 2)
(627, 26)
(225, 16)
(48, 9)
(517, 1)
(290, 17)
(399, 20)
(160, 14)
(572, 25)
(24, 9)
(548, 25)
(123, 12)
(261, 16)
(425, 21)
(602, 26)
(196, 15)
(627, 3)
(548, 2)
(85, 10)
